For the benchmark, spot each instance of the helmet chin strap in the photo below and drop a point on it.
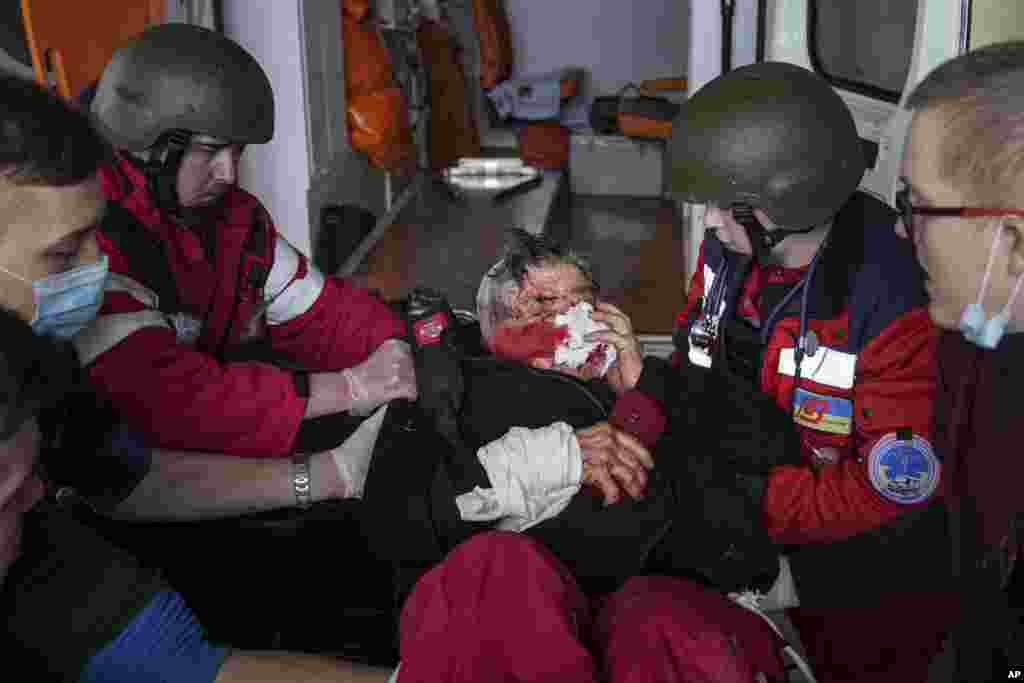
(762, 240)
(161, 170)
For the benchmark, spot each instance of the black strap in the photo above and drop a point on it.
(761, 240)
(257, 245)
(145, 253)
(162, 168)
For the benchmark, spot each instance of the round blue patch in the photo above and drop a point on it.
(904, 471)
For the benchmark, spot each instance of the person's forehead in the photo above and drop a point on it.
(77, 208)
(48, 214)
(920, 165)
(561, 277)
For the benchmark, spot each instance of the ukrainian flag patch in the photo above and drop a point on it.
(824, 413)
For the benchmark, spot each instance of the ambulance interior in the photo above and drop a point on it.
(374, 201)
(367, 197)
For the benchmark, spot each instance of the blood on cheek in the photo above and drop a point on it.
(532, 340)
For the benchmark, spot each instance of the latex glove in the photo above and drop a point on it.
(614, 461)
(351, 459)
(388, 373)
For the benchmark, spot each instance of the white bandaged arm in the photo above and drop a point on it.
(534, 473)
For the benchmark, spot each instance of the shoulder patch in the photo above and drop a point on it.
(904, 470)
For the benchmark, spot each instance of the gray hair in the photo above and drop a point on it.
(525, 251)
(981, 96)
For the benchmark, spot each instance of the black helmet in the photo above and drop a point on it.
(772, 136)
(183, 77)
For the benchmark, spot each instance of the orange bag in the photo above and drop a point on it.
(569, 86)
(453, 131)
(544, 144)
(367, 62)
(357, 9)
(495, 38)
(637, 125)
(377, 116)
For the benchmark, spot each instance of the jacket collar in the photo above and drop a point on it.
(124, 182)
(833, 277)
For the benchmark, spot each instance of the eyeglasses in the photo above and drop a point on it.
(908, 210)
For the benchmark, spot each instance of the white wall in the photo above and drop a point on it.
(617, 42)
(277, 172)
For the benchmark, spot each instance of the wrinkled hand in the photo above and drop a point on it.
(388, 373)
(614, 461)
(625, 373)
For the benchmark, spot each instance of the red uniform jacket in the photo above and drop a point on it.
(978, 428)
(165, 371)
(856, 401)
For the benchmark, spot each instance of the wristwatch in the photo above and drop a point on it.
(302, 482)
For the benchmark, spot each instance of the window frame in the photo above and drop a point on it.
(873, 91)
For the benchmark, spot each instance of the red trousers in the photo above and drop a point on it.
(892, 643)
(501, 607)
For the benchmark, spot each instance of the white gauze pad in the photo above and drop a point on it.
(574, 351)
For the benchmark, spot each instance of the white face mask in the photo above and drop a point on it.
(974, 325)
(66, 302)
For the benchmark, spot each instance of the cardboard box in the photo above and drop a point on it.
(616, 165)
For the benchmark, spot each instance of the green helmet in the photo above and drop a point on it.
(183, 77)
(772, 136)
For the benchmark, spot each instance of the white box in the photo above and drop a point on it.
(616, 165)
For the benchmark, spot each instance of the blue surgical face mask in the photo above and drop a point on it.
(976, 327)
(66, 302)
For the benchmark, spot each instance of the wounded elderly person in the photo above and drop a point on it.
(546, 444)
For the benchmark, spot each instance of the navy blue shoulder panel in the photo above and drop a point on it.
(714, 252)
(890, 281)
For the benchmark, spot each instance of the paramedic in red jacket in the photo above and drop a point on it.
(198, 267)
(802, 290)
(962, 203)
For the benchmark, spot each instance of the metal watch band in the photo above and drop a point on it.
(302, 483)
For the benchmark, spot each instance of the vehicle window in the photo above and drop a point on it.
(995, 21)
(863, 45)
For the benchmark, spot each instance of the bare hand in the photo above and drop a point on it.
(614, 461)
(625, 373)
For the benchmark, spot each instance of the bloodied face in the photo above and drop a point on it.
(529, 332)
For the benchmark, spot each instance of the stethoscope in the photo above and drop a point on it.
(807, 341)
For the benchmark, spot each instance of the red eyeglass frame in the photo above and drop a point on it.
(907, 211)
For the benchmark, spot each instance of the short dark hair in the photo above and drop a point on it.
(35, 372)
(981, 96)
(526, 250)
(43, 140)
